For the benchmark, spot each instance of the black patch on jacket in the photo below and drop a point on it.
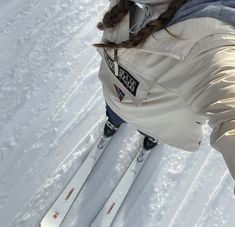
(127, 80)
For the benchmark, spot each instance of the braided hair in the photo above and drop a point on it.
(115, 15)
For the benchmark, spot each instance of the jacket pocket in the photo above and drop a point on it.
(126, 85)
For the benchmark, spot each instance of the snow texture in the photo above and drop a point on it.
(50, 97)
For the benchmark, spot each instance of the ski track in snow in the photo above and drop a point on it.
(50, 99)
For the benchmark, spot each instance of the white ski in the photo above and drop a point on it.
(107, 214)
(56, 214)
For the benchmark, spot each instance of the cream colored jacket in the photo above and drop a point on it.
(169, 87)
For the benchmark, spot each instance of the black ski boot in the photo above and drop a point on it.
(149, 142)
(110, 128)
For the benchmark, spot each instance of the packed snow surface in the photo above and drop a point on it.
(50, 98)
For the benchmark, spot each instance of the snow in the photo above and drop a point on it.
(50, 99)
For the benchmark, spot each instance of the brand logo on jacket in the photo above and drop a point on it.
(126, 79)
(120, 93)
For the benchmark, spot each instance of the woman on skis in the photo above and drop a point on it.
(168, 66)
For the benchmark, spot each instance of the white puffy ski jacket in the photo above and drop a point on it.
(169, 87)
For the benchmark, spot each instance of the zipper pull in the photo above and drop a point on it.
(116, 62)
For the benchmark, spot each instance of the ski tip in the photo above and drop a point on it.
(50, 221)
(43, 224)
(46, 225)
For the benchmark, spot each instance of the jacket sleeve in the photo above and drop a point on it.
(223, 140)
(215, 100)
